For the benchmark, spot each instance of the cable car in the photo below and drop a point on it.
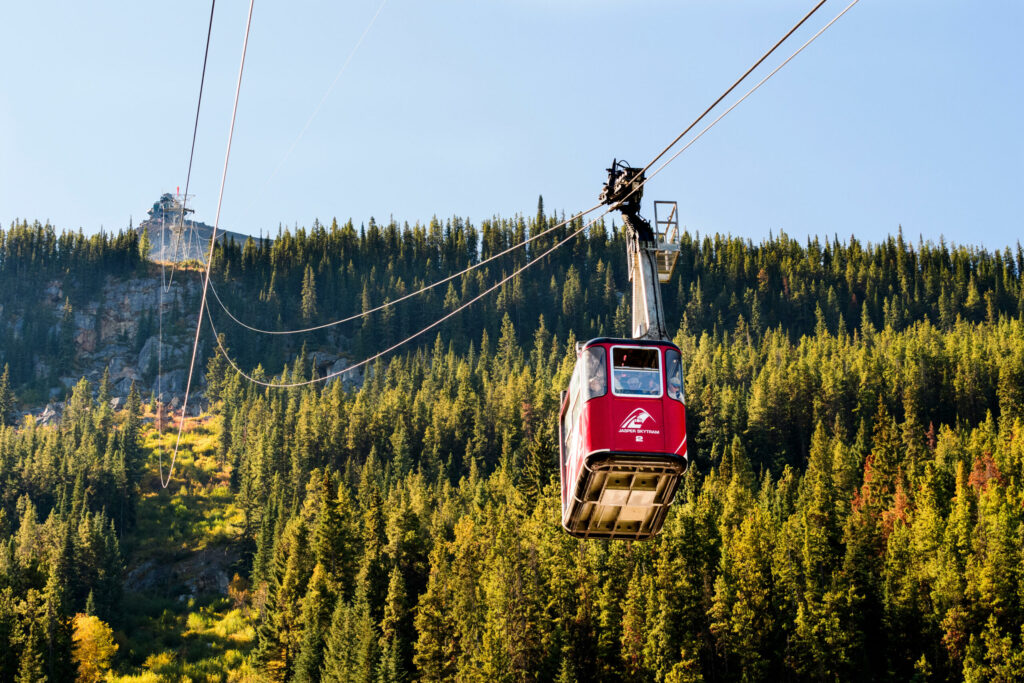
(622, 422)
(622, 438)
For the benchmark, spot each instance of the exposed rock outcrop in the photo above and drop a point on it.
(119, 329)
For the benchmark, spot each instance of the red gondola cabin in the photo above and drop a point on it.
(622, 438)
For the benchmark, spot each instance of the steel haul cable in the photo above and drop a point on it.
(206, 278)
(404, 297)
(734, 85)
(192, 152)
(748, 93)
(690, 127)
(450, 314)
(165, 284)
(206, 281)
(490, 289)
(737, 102)
(422, 331)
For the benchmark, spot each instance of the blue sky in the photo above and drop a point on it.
(902, 113)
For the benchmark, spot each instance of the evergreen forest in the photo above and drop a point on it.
(854, 510)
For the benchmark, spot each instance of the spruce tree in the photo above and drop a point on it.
(10, 622)
(394, 645)
(31, 664)
(145, 244)
(104, 414)
(6, 398)
(340, 662)
(309, 307)
(316, 620)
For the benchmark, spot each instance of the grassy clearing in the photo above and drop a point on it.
(168, 633)
(196, 510)
(204, 639)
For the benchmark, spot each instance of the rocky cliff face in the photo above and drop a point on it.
(120, 329)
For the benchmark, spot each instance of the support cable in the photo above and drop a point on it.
(192, 152)
(514, 273)
(690, 127)
(733, 86)
(410, 295)
(206, 279)
(557, 245)
(748, 93)
(165, 283)
(450, 314)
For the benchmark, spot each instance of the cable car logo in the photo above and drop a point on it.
(636, 420)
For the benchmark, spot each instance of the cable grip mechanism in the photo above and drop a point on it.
(624, 188)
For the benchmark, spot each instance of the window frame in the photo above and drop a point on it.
(572, 411)
(585, 377)
(682, 387)
(659, 371)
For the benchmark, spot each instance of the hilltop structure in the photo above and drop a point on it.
(173, 236)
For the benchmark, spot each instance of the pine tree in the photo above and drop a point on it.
(394, 645)
(216, 374)
(316, 619)
(572, 297)
(340, 663)
(10, 623)
(744, 612)
(104, 414)
(634, 622)
(622, 323)
(309, 307)
(145, 244)
(437, 644)
(365, 639)
(56, 623)
(541, 461)
(280, 633)
(31, 667)
(6, 398)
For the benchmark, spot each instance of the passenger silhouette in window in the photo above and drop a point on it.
(596, 380)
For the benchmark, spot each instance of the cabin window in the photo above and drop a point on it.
(674, 375)
(574, 383)
(568, 429)
(636, 371)
(596, 376)
(573, 412)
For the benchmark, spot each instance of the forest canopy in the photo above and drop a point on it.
(855, 510)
